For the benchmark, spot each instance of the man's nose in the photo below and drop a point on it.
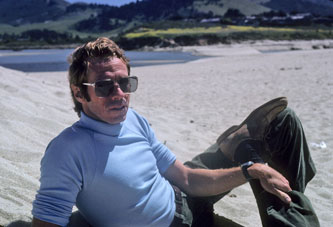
(117, 91)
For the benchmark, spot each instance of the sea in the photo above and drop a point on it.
(52, 60)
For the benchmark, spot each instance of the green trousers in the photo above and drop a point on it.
(289, 154)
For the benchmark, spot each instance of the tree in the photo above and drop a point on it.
(233, 13)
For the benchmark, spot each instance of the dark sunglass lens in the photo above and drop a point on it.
(104, 88)
(123, 84)
(134, 84)
(129, 84)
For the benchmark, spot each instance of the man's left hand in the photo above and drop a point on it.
(271, 180)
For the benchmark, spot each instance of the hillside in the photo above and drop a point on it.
(36, 11)
(50, 22)
(31, 11)
(220, 7)
(316, 7)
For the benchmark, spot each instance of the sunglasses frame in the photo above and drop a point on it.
(114, 82)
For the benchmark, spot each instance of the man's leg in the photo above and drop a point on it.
(289, 151)
(289, 154)
(211, 158)
(202, 207)
(253, 127)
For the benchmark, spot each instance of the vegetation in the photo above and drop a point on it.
(170, 23)
(150, 35)
(147, 36)
(37, 38)
(219, 30)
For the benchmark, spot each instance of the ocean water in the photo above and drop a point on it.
(45, 60)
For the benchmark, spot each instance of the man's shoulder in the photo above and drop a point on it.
(75, 131)
(72, 136)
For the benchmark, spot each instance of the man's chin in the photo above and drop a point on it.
(117, 115)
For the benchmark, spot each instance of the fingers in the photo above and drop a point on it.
(283, 196)
(283, 185)
(281, 191)
(276, 183)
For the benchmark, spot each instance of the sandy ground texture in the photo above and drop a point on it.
(188, 106)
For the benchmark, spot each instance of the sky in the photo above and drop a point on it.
(108, 2)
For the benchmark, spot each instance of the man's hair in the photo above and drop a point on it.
(79, 63)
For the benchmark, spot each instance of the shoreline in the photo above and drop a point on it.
(286, 43)
(30, 60)
(262, 46)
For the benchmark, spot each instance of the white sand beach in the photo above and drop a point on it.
(188, 106)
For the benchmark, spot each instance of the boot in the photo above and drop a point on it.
(253, 128)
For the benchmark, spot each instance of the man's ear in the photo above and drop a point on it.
(77, 93)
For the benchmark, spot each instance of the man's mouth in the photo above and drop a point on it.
(118, 108)
(117, 105)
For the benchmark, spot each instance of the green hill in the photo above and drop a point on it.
(31, 11)
(49, 22)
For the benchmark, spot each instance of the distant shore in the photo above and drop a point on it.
(153, 43)
(262, 45)
(36, 46)
(43, 60)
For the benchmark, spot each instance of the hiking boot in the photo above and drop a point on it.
(254, 127)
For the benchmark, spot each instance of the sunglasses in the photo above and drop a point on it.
(103, 88)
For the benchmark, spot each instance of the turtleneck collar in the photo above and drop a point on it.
(100, 126)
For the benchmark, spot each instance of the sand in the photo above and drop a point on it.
(188, 105)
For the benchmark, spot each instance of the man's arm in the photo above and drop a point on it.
(39, 223)
(205, 182)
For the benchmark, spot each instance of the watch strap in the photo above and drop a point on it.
(244, 167)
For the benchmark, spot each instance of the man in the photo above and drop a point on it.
(110, 165)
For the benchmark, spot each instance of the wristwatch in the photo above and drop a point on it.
(244, 167)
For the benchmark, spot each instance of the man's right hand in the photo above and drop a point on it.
(271, 180)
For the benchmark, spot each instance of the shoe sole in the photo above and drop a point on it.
(283, 104)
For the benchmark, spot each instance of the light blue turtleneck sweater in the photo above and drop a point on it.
(113, 173)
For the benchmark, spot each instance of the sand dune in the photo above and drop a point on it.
(188, 105)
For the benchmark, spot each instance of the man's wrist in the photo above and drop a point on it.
(256, 171)
(245, 166)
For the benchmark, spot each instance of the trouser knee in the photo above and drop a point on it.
(284, 130)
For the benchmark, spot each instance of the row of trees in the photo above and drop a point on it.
(43, 36)
(102, 22)
(277, 18)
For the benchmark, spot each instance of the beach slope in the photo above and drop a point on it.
(188, 106)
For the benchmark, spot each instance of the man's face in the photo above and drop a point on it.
(113, 108)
